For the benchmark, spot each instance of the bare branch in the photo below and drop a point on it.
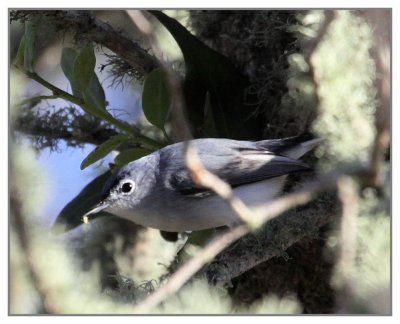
(329, 16)
(209, 180)
(272, 240)
(47, 128)
(348, 199)
(380, 21)
(348, 237)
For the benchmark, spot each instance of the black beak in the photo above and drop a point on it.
(99, 207)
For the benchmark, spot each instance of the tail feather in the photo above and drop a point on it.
(302, 148)
(293, 147)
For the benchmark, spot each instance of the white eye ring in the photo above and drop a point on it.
(127, 187)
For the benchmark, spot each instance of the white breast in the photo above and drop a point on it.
(180, 214)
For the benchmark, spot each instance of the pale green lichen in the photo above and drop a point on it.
(32, 185)
(344, 72)
(275, 305)
(197, 298)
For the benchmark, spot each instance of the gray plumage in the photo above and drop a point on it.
(163, 195)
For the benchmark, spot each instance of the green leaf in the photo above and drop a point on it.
(87, 81)
(94, 95)
(102, 150)
(79, 70)
(31, 30)
(19, 58)
(209, 71)
(156, 100)
(68, 57)
(71, 215)
(130, 155)
(84, 66)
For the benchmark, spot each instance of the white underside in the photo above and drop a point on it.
(205, 212)
(256, 194)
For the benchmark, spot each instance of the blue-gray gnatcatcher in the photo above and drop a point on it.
(158, 191)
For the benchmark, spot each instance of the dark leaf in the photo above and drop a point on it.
(156, 100)
(84, 66)
(31, 29)
(79, 70)
(68, 58)
(87, 80)
(209, 71)
(71, 215)
(19, 58)
(94, 94)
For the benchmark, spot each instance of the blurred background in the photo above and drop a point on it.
(320, 71)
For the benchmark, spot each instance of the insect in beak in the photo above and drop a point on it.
(99, 207)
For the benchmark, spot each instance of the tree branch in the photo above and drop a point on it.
(64, 124)
(329, 16)
(348, 241)
(207, 179)
(272, 240)
(143, 139)
(380, 52)
(86, 25)
(265, 214)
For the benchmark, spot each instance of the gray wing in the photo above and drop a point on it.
(235, 162)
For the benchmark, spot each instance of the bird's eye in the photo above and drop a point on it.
(127, 187)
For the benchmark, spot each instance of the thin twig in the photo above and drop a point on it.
(348, 199)
(380, 22)
(329, 16)
(205, 178)
(266, 213)
(100, 114)
(188, 269)
(348, 236)
(272, 240)
(32, 125)
(262, 215)
(309, 56)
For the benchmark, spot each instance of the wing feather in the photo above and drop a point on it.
(234, 163)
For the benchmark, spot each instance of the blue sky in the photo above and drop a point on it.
(65, 179)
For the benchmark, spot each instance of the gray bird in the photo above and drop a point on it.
(158, 191)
